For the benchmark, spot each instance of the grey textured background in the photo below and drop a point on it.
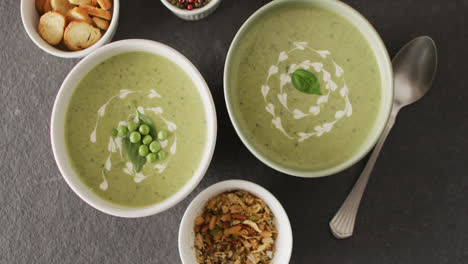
(414, 211)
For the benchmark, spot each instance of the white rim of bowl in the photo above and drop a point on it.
(386, 106)
(253, 188)
(194, 11)
(43, 45)
(114, 209)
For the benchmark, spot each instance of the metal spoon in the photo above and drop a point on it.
(414, 69)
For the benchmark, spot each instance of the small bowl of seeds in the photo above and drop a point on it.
(191, 9)
(235, 222)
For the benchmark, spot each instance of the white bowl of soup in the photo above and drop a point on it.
(308, 86)
(125, 83)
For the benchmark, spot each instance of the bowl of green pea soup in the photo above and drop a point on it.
(308, 86)
(133, 128)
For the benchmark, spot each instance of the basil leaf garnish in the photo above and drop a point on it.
(306, 82)
(146, 120)
(132, 151)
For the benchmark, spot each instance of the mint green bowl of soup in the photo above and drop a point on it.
(308, 86)
(145, 88)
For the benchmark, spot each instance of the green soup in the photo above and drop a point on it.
(163, 92)
(294, 129)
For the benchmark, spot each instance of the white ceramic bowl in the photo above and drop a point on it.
(195, 14)
(386, 74)
(57, 128)
(283, 244)
(30, 19)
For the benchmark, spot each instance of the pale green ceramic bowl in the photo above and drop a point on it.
(383, 62)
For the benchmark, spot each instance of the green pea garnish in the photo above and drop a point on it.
(135, 137)
(132, 126)
(122, 130)
(151, 157)
(155, 146)
(162, 135)
(161, 155)
(143, 150)
(144, 129)
(147, 140)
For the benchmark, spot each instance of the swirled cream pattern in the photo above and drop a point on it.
(330, 78)
(115, 144)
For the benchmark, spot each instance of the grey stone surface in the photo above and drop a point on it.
(414, 211)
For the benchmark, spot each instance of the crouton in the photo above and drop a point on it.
(80, 35)
(51, 27)
(61, 6)
(43, 6)
(105, 4)
(96, 11)
(84, 2)
(79, 13)
(101, 23)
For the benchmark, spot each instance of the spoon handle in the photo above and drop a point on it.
(342, 224)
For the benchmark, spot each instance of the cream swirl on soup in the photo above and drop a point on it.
(101, 102)
(312, 110)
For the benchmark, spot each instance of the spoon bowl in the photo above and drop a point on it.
(414, 68)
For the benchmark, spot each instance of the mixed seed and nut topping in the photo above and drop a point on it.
(235, 228)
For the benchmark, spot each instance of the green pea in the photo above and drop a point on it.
(154, 146)
(151, 157)
(147, 139)
(144, 129)
(122, 130)
(162, 135)
(161, 155)
(135, 137)
(115, 132)
(143, 150)
(132, 126)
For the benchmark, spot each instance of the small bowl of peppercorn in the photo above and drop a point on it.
(191, 9)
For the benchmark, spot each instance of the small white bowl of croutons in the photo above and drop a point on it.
(70, 28)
